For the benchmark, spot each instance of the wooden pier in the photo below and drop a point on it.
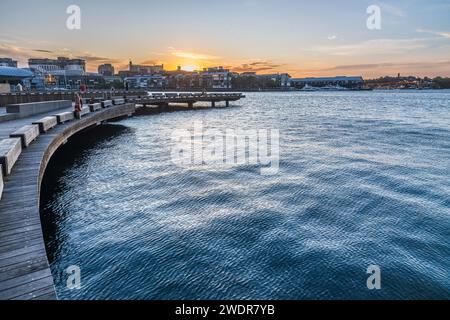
(190, 99)
(24, 268)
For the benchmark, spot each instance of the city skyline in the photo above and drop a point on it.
(262, 36)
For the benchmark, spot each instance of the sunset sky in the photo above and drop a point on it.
(303, 38)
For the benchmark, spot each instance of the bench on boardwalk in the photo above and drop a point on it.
(27, 134)
(107, 103)
(84, 111)
(46, 123)
(64, 117)
(132, 98)
(10, 150)
(119, 101)
(95, 106)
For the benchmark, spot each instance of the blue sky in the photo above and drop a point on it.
(303, 38)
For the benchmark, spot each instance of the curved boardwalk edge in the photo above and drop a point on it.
(24, 268)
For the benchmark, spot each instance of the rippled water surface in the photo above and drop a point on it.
(364, 179)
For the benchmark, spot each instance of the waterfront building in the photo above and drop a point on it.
(280, 80)
(73, 79)
(135, 70)
(215, 78)
(10, 77)
(124, 74)
(254, 81)
(154, 81)
(64, 79)
(61, 73)
(8, 62)
(343, 81)
(61, 63)
(112, 79)
(182, 80)
(145, 70)
(106, 70)
(36, 82)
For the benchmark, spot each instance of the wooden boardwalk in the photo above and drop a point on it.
(24, 268)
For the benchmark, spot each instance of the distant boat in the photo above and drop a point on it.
(307, 87)
(333, 88)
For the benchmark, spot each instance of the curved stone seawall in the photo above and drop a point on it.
(24, 268)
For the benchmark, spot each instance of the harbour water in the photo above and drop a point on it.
(363, 180)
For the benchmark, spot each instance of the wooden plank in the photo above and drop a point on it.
(15, 245)
(8, 240)
(23, 267)
(20, 230)
(22, 251)
(21, 258)
(51, 295)
(18, 270)
(47, 293)
(19, 224)
(29, 277)
(25, 288)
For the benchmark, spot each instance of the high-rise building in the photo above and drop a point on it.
(144, 70)
(215, 78)
(61, 63)
(106, 70)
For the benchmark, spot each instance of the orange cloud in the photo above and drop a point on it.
(257, 66)
(192, 55)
